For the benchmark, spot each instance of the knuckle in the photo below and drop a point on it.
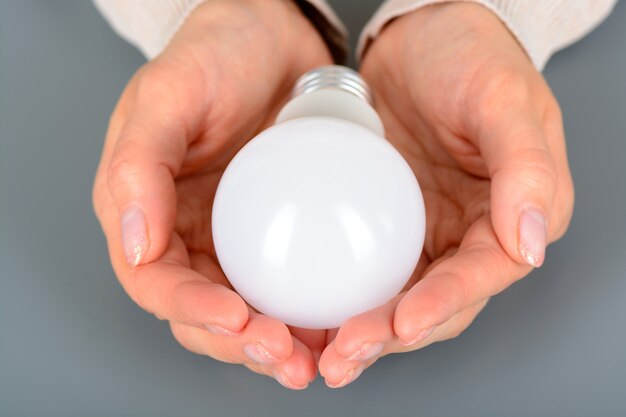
(483, 275)
(121, 172)
(535, 170)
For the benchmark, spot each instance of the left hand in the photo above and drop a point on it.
(222, 78)
(483, 133)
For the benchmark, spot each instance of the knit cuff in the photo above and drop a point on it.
(150, 25)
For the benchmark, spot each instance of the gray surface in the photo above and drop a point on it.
(73, 344)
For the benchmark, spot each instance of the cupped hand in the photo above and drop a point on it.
(180, 120)
(483, 134)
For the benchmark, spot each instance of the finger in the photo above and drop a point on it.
(299, 369)
(524, 179)
(264, 341)
(173, 291)
(265, 347)
(358, 343)
(364, 336)
(296, 372)
(101, 197)
(340, 371)
(450, 329)
(563, 205)
(313, 339)
(168, 287)
(479, 269)
(361, 337)
(148, 153)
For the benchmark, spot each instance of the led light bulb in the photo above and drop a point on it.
(319, 218)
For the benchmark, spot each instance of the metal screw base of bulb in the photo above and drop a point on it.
(334, 77)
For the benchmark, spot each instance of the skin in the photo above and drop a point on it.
(459, 99)
(166, 160)
(478, 124)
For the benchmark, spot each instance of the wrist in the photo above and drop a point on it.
(452, 21)
(452, 26)
(281, 20)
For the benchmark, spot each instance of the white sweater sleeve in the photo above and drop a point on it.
(541, 26)
(147, 24)
(150, 24)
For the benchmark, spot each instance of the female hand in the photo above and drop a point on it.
(483, 133)
(178, 123)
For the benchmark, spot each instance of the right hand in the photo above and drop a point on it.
(178, 123)
(483, 133)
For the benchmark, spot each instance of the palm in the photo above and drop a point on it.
(427, 107)
(463, 104)
(178, 123)
(453, 197)
(251, 105)
(195, 194)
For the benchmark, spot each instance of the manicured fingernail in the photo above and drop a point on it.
(257, 353)
(367, 352)
(352, 374)
(283, 380)
(532, 236)
(134, 235)
(219, 330)
(423, 334)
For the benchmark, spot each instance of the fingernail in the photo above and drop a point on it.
(420, 336)
(367, 352)
(532, 236)
(283, 380)
(134, 235)
(257, 353)
(219, 330)
(352, 374)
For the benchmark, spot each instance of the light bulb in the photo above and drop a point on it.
(319, 218)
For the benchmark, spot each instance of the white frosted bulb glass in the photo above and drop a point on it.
(319, 218)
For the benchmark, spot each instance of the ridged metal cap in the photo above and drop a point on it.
(335, 77)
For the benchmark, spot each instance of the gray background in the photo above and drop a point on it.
(73, 344)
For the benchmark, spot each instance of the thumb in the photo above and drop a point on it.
(140, 177)
(523, 184)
